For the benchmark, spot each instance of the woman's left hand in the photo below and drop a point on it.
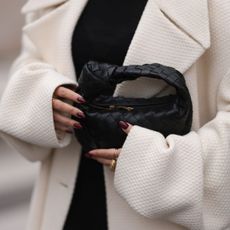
(105, 156)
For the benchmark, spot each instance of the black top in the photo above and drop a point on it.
(103, 33)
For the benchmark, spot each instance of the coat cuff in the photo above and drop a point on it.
(162, 177)
(26, 109)
(59, 139)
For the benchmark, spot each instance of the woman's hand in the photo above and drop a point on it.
(105, 156)
(62, 122)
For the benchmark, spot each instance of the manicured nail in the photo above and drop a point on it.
(81, 100)
(77, 126)
(80, 115)
(123, 124)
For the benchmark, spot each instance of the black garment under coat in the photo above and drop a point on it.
(103, 33)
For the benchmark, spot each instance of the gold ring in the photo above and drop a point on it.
(113, 165)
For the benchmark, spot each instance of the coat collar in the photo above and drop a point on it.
(174, 33)
(189, 16)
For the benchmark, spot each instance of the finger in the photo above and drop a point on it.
(103, 161)
(112, 153)
(70, 86)
(65, 107)
(66, 93)
(66, 121)
(125, 126)
(60, 127)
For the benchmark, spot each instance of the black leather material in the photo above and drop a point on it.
(170, 114)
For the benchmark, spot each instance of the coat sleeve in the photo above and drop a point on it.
(26, 115)
(183, 179)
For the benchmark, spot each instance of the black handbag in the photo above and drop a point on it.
(170, 114)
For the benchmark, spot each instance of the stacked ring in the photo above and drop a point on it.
(114, 161)
(113, 165)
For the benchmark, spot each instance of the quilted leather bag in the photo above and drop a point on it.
(170, 114)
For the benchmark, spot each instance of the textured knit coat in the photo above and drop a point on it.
(183, 181)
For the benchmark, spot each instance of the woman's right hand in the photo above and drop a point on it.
(64, 123)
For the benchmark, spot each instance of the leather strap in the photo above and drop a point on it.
(105, 77)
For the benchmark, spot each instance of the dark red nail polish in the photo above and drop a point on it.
(77, 126)
(81, 100)
(80, 115)
(123, 124)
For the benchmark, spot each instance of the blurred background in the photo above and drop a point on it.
(17, 174)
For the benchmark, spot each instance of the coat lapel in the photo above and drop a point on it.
(173, 33)
(191, 17)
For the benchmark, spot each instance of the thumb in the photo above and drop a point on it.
(125, 126)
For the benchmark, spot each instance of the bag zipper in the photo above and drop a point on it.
(128, 108)
(111, 107)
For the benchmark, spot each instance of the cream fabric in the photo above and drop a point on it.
(184, 181)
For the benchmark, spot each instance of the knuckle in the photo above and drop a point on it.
(61, 92)
(77, 110)
(60, 118)
(61, 106)
(72, 110)
(54, 101)
(72, 122)
(57, 90)
(65, 123)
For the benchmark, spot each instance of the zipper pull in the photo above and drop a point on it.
(128, 108)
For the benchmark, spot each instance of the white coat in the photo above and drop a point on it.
(184, 181)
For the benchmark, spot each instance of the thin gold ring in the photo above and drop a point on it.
(113, 165)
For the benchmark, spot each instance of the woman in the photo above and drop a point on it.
(178, 182)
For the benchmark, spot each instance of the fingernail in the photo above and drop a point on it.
(81, 100)
(123, 124)
(77, 126)
(80, 115)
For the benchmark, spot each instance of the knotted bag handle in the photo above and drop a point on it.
(101, 78)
